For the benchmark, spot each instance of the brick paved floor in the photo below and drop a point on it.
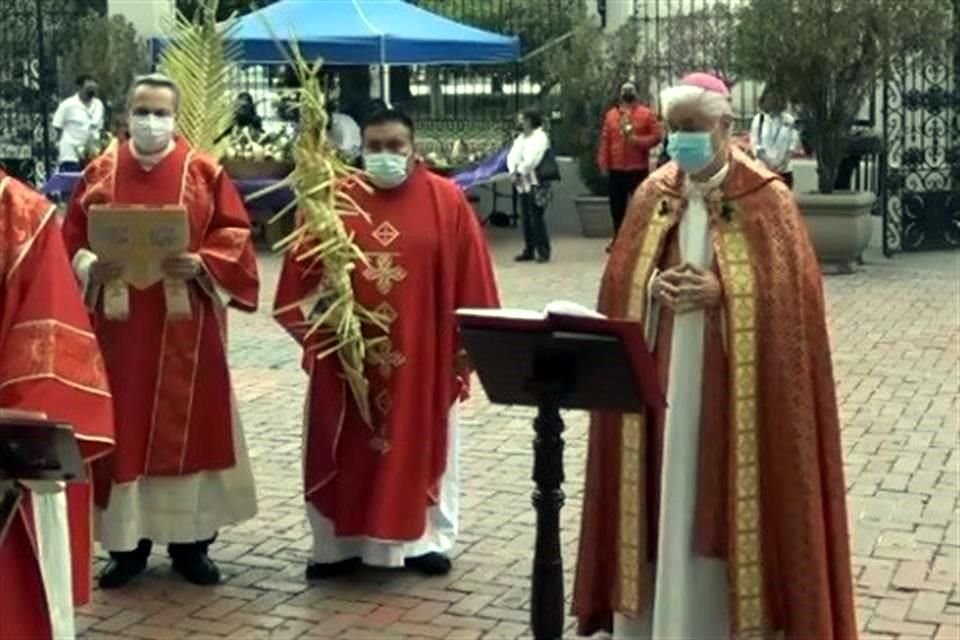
(895, 331)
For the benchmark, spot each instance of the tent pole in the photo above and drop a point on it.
(385, 84)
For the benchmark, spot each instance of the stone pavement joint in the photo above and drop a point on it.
(895, 335)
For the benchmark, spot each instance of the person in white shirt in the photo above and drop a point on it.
(345, 134)
(774, 136)
(528, 151)
(78, 121)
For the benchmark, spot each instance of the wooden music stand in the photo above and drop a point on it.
(34, 449)
(556, 362)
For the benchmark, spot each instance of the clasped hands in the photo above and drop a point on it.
(182, 267)
(687, 288)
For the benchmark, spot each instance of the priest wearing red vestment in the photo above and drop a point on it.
(180, 470)
(724, 515)
(50, 367)
(386, 494)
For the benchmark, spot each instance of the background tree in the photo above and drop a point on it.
(591, 68)
(110, 50)
(701, 40)
(226, 7)
(826, 55)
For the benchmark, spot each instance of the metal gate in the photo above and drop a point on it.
(31, 35)
(921, 117)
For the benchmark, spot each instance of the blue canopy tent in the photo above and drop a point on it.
(356, 32)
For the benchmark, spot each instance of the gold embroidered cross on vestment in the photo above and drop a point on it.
(384, 271)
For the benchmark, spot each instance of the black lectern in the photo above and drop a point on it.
(33, 449)
(556, 362)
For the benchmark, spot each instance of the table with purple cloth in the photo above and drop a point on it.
(61, 186)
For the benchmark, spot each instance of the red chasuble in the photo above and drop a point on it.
(770, 489)
(170, 382)
(427, 257)
(50, 364)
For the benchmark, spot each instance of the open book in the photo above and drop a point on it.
(562, 317)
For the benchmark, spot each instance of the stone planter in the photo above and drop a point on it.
(594, 214)
(840, 225)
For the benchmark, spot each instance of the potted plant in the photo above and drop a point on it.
(825, 56)
(591, 69)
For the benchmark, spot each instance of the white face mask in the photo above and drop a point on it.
(150, 133)
(387, 170)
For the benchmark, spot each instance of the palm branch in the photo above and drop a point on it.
(200, 57)
(322, 241)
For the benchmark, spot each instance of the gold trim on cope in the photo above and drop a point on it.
(745, 549)
(633, 446)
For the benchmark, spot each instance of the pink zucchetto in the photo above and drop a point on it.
(706, 91)
(706, 81)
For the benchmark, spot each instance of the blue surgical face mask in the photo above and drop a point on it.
(692, 150)
(387, 170)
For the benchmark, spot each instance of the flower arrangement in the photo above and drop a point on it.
(450, 155)
(95, 146)
(249, 145)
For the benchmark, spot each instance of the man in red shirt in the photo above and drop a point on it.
(630, 130)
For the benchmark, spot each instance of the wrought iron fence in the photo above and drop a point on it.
(921, 124)
(32, 33)
(493, 91)
(681, 36)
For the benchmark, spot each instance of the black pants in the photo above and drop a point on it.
(622, 186)
(535, 238)
(176, 550)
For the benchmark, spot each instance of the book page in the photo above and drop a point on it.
(508, 314)
(568, 308)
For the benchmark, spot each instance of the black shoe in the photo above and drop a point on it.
(524, 257)
(431, 564)
(124, 566)
(324, 571)
(197, 568)
(119, 573)
(543, 259)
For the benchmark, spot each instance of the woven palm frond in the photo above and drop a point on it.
(201, 58)
(322, 241)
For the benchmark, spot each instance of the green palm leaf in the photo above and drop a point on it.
(201, 58)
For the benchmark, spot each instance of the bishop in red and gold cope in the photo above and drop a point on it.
(724, 515)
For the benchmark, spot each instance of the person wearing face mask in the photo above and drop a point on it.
(386, 493)
(629, 131)
(77, 121)
(723, 515)
(180, 470)
(774, 136)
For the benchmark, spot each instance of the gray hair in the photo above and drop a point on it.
(709, 103)
(156, 81)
